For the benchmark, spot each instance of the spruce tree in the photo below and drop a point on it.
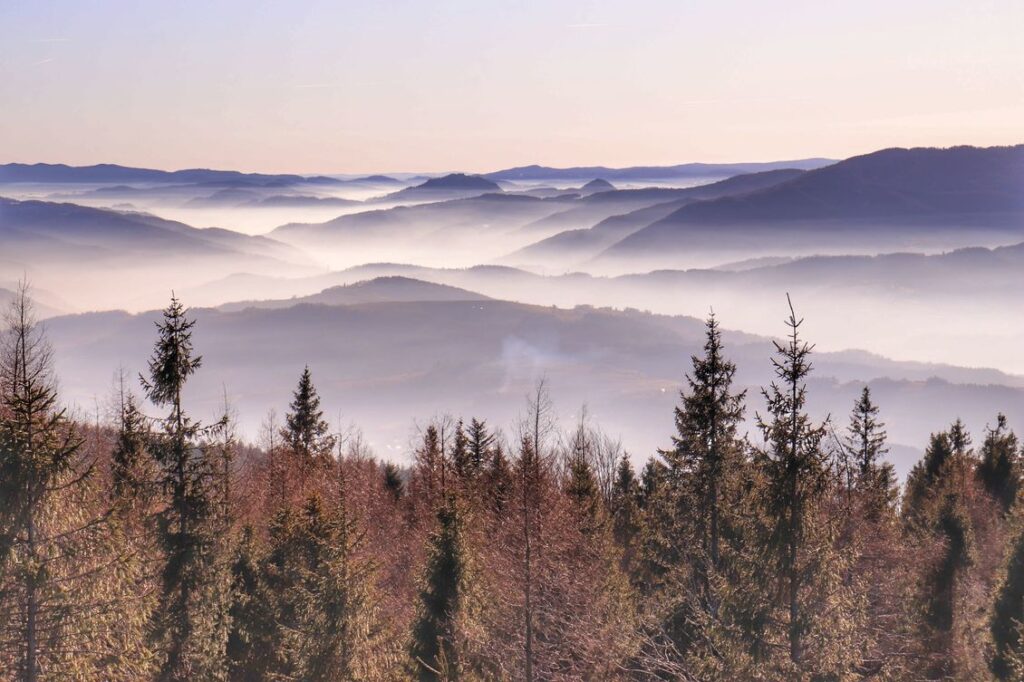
(481, 444)
(393, 482)
(498, 480)
(924, 476)
(460, 455)
(581, 488)
(435, 652)
(707, 452)
(999, 469)
(38, 454)
(625, 504)
(306, 431)
(325, 622)
(866, 438)
(793, 465)
(191, 620)
(129, 460)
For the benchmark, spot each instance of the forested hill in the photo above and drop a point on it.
(176, 550)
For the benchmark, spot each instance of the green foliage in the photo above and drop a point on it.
(999, 468)
(306, 431)
(323, 623)
(393, 482)
(1008, 615)
(191, 623)
(434, 647)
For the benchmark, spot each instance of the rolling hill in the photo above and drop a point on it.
(388, 289)
(382, 365)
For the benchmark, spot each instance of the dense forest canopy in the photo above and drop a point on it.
(153, 546)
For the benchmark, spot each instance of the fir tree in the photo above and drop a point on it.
(581, 487)
(924, 476)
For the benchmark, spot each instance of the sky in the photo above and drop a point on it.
(478, 85)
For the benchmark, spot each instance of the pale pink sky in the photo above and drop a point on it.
(476, 85)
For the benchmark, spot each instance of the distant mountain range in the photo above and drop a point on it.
(75, 232)
(651, 173)
(858, 200)
(48, 173)
(389, 289)
(574, 246)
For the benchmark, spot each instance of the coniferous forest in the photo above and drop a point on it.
(759, 544)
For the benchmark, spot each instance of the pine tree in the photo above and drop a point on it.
(793, 465)
(954, 526)
(306, 431)
(191, 624)
(999, 468)
(252, 620)
(435, 652)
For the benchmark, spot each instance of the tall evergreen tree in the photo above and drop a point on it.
(999, 469)
(498, 479)
(306, 432)
(38, 451)
(435, 652)
(924, 476)
(325, 626)
(707, 452)
(866, 437)
(625, 505)
(460, 455)
(191, 624)
(393, 482)
(129, 460)
(793, 464)
(481, 444)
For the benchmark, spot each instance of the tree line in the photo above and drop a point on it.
(152, 546)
